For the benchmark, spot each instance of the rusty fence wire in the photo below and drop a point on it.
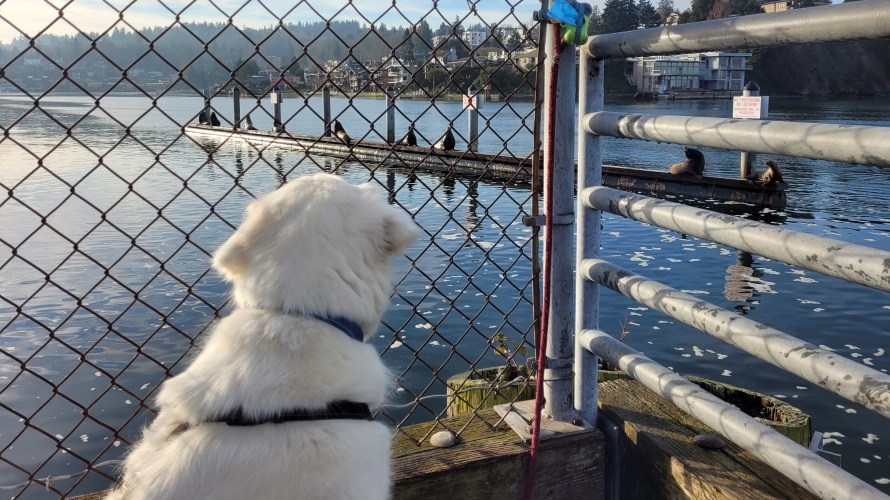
(115, 196)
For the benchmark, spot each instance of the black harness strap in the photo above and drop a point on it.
(336, 410)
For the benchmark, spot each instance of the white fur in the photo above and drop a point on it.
(317, 245)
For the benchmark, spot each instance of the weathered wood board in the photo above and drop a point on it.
(659, 459)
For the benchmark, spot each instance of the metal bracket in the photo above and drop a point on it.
(541, 220)
(520, 415)
(816, 447)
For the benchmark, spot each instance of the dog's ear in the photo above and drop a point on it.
(399, 231)
(231, 258)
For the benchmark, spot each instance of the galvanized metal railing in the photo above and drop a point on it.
(858, 264)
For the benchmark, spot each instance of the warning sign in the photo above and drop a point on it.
(473, 101)
(750, 107)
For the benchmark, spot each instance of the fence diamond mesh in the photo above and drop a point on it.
(115, 197)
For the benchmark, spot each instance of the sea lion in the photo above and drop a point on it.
(214, 120)
(341, 133)
(771, 175)
(278, 127)
(410, 139)
(447, 141)
(694, 164)
(249, 123)
(202, 117)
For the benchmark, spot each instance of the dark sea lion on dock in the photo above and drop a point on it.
(202, 117)
(341, 133)
(410, 139)
(694, 164)
(771, 175)
(447, 141)
(278, 127)
(214, 120)
(249, 123)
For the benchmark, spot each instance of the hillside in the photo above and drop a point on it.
(836, 68)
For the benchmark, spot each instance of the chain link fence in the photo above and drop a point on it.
(114, 200)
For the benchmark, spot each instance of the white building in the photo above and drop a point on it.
(705, 71)
(474, 39)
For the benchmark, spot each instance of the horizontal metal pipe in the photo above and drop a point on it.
(848, 21)
(794, 461)
(845, 377)
(847, 261)
(818, 141)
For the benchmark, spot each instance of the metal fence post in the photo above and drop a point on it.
(236, 101)
(749, 160)
(473, 119)
(590, 163)
(326, 104)
(559, 350)
(390, 115)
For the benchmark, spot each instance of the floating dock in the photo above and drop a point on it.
(660, 184)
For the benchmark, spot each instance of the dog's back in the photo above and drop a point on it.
(317, 248)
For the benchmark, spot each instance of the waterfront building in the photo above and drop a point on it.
(714, 71)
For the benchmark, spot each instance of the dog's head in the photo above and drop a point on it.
(317, 245)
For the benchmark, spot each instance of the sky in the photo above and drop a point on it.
(33, 16)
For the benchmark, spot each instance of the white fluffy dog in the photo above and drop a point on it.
(310, 267)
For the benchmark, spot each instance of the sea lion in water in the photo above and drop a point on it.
(410, 139)
(694, 164)
(447, 141)
(771, 175)
(341, 133)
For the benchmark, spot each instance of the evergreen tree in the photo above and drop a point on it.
(407, 47)
(595, 24)
(425, 33)
(647, 15)
(666, 8)
(700, 9)
(685, 17)
(745, 7)
(619, 15)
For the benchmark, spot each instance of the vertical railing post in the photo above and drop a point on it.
(390, 115)
(276, 105)
(236, 102)
(749, 160)
(206, 106)
(326, 104)
(473, 119)
(559, 350)
(590, 168)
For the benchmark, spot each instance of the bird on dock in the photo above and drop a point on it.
(447, 141)
(249, 123)
(202, 117)
(410, 139)
(278, 127)
(341, 134)
(214, 120)
(771, 175)
(694, 164)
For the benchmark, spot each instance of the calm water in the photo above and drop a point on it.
(436, 305)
